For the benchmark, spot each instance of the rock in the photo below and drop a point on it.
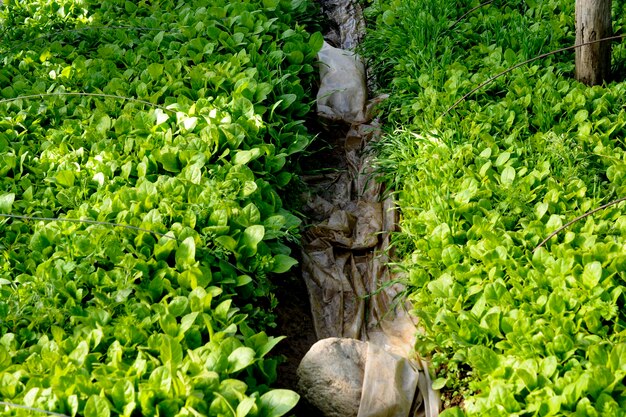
(330, 376)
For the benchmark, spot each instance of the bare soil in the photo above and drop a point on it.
(293, 313)
(293, 318)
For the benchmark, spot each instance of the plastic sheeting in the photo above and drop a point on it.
(343, 92)
(389, 384)
(349, 25)
(350, 287)
(345, 255)
(344, 260)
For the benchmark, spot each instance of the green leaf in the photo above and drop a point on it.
(227, 242)
(219, 218)
(452, 412)
(278, 402)
(9, 385)
(282, 263)
(97, 406)
(222, 310)
(510, 56)
(283, 178)
(598, 354)
(178, 306)
(484, 168)
(508, 175)
(251, 237)
(483, 359)
(79, 354)
(169, 324)
(161, 116)
(548, 366)
(164, 247)
(6, 203)
(243, 280)
(193, 173)
(102, 123)
(169, 407)
(502, 158)
(316, 41)
(295, 57)
(271, 4)
(72, 402)
(240, 358)
(248, 216)
(187, 321)
(161, 378)
(65, 178)
(245, 406)
(541, 209)
(5, 358)
(527, 372)
(554, 222)
(189, 123)
(439, 383)
(171, 353)
(155, 70)
(451, 255)
(186, 253)
(262, 91)
(287, 100)
(581, 116)
(249, 187)
(170, 162)
(123, 393)
(243, 157)
(556, 304)
(592, 273)
(262, 344)
(159, 38)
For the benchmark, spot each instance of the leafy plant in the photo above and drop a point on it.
(516, 332)
(175, 121)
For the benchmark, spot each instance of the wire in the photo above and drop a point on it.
(85, 29)
(589, 213)
(102, 95)
(467, 13)
(524, 63)
(88, 221)
(52, 413)
(96, 222)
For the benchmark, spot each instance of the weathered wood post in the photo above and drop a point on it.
(593, 21)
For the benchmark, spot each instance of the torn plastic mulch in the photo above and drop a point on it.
(345, 258)
(348, 21)
(350, 286)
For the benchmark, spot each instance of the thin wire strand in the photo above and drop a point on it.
(589, 213)
(88, 28)
(469, 12)
(51, 413)
(88, 221)
(96, 222)
(456, 103)
(102, 95)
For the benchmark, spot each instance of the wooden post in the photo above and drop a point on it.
(593, 21)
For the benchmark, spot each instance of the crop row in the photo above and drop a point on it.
(512, 328)
(143, 146)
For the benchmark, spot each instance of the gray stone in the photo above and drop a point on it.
(330, 376)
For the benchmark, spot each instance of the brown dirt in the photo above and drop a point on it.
(293, 313)
(293, 319)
